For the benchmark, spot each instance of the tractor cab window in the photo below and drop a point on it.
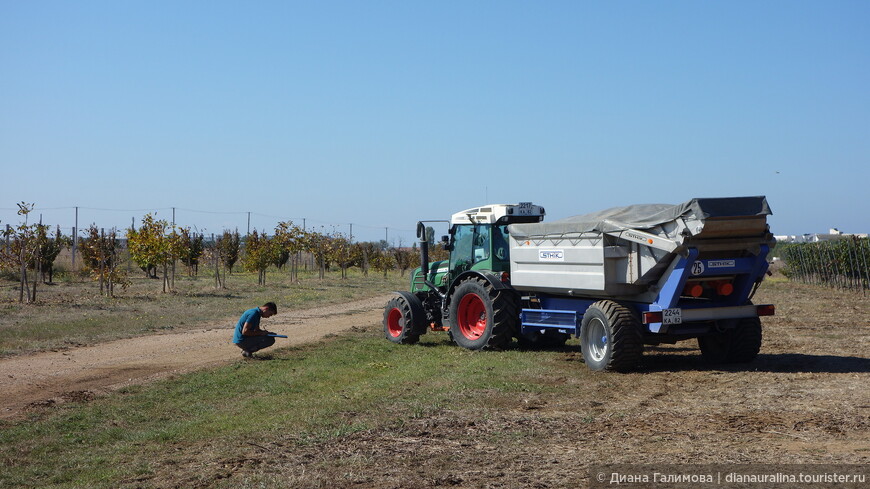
(470, 245)
(481, 243)
(499, 242)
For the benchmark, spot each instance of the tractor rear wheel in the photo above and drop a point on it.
(403, 320)
(610, 337)
(481, 316)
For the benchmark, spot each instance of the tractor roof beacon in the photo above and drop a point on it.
(616, 279)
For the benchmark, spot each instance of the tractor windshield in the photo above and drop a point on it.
(471, 244)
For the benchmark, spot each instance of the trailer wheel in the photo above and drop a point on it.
(715, 346)
(481, 316)
(610, 337)
(402, 320)
(738, 345)
(747, 340)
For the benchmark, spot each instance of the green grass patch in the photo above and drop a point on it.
(299, 396)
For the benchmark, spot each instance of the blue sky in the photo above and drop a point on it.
(381, 113)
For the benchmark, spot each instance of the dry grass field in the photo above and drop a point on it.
(805, 400)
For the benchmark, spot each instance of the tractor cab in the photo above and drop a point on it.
(456, 293)
(478, 241)
(478, 237)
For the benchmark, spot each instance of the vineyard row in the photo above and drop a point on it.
(843, 264)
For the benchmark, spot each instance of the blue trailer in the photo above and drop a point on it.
(618, 279)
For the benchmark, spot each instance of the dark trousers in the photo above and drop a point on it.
(256, 343)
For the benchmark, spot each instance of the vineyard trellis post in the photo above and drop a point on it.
(113, 262)
(37, 269)
(816, 271)
(852, 269)
(216, 256)
(831, 267)
(838, 267)
(102, 264)
(804, 276)
(812, 273)
(130, 260)
(75, 243)
(173, 245)
(865, 279)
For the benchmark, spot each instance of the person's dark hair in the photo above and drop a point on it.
(272, 307)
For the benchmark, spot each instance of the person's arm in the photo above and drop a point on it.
(248, 330)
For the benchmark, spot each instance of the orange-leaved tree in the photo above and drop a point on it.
(290, 240)
(23, 250)
(100, 256)
(152, 246)
(259, 254)
(229, 245)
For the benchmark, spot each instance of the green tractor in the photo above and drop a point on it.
(617, 279)
(469, 295)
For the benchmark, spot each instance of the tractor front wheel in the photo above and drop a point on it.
(403, 320)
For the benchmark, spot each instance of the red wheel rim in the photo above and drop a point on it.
(395, 322)
(472, 316)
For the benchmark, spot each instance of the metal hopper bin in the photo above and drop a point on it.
(681, 271)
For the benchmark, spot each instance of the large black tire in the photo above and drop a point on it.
(611, 337)
(747, 340)
(481, 316)
(404, 320)
(740, 344)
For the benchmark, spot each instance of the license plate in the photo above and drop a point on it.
(672, 316)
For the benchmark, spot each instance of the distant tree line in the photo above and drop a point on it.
(156, 247)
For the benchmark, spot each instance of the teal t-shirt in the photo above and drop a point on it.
(250, 316)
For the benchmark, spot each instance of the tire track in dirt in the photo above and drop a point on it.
(81, 373)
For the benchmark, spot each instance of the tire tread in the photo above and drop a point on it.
(627, 340)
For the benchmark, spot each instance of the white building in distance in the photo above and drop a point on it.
(833, 234)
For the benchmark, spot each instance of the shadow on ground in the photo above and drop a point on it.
(773, 363)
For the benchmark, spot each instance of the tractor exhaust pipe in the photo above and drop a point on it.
(424, 257)
(424, 250)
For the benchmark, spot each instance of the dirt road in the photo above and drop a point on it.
(81, 373)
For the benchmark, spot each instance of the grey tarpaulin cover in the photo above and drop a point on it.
(646, 216)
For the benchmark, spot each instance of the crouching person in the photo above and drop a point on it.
(248, 335)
